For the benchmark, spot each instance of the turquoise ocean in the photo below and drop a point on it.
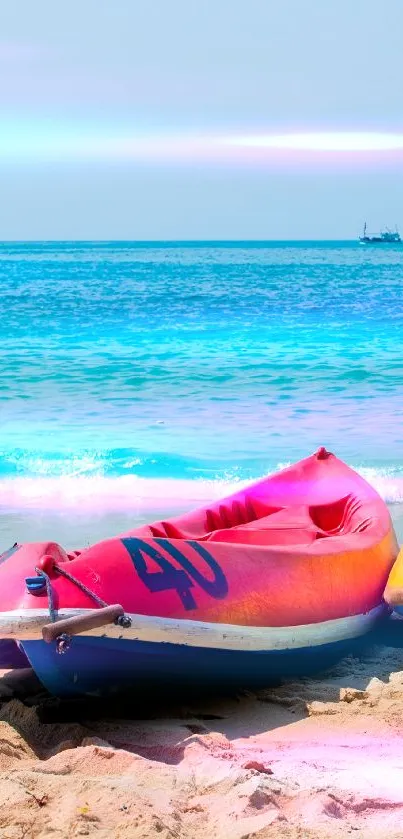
(140, 377)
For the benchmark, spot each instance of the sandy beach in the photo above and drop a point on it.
(316, 758)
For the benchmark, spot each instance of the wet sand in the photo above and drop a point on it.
(316, 758)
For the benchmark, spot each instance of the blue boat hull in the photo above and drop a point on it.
(11, 656)
(101, 666)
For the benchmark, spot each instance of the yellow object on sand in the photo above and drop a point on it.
(393, 593)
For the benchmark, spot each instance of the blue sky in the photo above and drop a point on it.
(128, 119)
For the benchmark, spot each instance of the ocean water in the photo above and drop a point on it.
(143, 377)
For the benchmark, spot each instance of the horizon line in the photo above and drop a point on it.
(170, 240)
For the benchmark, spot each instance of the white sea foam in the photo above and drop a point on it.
(130, 493)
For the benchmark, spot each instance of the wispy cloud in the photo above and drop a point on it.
(15, 52)
(54, 142)
(329, 141)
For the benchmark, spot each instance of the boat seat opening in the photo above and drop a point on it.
(238, 514)
(337, 516)
(223, 518)
(256, 523)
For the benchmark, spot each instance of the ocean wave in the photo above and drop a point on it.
(106, 463)
(97, 494)
(386, 482)
(101, 494)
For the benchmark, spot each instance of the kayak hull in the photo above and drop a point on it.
(100, 666)
(12, 656)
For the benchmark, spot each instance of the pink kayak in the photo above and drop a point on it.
(279, 578)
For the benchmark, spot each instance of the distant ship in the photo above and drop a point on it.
(386, 237)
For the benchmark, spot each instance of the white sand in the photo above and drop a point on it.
(318, 758)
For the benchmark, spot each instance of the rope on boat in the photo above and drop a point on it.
(80, 585)
(113, 614)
